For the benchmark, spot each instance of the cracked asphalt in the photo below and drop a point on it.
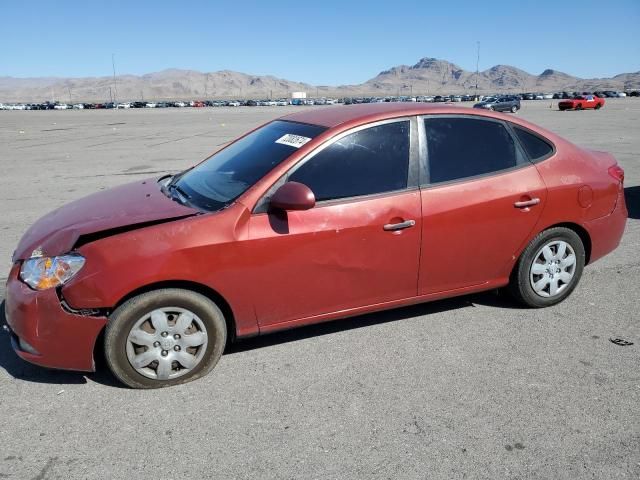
(474, 387)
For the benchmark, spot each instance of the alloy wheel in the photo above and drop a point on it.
(166, 343)
(553, 269)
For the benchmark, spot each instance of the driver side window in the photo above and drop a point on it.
(370, 161)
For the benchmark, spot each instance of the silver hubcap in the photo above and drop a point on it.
(553, 269)
(167, 343)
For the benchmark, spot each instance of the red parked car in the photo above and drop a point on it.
(581, 102)
(319, 215)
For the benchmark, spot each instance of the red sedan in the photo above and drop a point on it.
(581, 102)
(318, 215)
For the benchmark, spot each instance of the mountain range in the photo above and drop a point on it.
(429, 76)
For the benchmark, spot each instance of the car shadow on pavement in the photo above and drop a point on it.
(632, 199)
(22, 370)
(493, 298)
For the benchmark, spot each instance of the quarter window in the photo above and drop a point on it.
(374, 160)
(460, 148)
(535, 147)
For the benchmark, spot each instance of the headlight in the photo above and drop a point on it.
(41, 273)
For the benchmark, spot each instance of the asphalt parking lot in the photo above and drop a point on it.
(473, 387)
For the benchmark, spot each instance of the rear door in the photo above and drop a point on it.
(481, 199)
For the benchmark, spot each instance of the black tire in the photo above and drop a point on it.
(491, 109)
(520, 285)
(514, 109)
(123, 319)
(598, 106)
(579, 106)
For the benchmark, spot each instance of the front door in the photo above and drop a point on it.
(358, 246)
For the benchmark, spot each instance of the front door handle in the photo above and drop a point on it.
(390, 227)
(527, 203)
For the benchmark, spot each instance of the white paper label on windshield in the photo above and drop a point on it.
(295, 141)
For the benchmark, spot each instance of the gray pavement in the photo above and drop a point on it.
(472, 387)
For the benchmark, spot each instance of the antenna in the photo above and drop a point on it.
(115, 89)
(477, 69)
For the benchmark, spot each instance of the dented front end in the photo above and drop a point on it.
(46, 333)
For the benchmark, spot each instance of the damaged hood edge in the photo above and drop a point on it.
(110, 212)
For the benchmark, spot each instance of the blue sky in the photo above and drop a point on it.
(326, 42)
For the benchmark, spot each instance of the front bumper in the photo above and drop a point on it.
(55, 338)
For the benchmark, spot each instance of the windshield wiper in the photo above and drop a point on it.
(180, 195)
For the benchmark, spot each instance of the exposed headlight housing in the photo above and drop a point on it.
(41, 273)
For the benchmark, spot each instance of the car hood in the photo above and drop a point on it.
(134, 204)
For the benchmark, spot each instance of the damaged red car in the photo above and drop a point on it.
(315, 216)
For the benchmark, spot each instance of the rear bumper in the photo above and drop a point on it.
(55, 338)
(606, 232)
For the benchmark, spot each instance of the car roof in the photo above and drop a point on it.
(366, 112)
(340, 118)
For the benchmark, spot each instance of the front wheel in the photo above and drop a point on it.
(514, 109)
(579, 106)
(549, 269)
(598, 106)
(164, 337)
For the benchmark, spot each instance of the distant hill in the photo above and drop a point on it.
(434, 76)
(427, 76)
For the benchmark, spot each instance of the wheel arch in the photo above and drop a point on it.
(200, 288)
(579, 230)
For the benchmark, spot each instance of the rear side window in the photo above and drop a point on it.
(374, 160)
(535, 147)
(460, 148)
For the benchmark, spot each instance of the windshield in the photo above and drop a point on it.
(227, 174)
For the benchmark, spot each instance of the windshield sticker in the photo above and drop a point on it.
(295, 141)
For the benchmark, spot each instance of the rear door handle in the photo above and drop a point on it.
(527, 203)
(389, 227)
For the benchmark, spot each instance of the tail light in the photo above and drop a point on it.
(617, 172)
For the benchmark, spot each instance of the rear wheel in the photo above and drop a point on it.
(164, 337)
(514, 109)
(597, 107)
(549, 269)
(579, 106)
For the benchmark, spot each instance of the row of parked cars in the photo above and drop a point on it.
(498, 102)
(126, 105)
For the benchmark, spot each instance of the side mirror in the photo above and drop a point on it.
(293, 196)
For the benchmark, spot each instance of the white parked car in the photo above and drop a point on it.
(61, 106)
(180, 104)
(331, 101)
(79, 106)
(151, 105)
(233, 104)
(621, 95)
(282, 103)
(124, 105)
(548, 96)
(538, 96)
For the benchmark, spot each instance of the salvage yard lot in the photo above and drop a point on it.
(473, 387)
